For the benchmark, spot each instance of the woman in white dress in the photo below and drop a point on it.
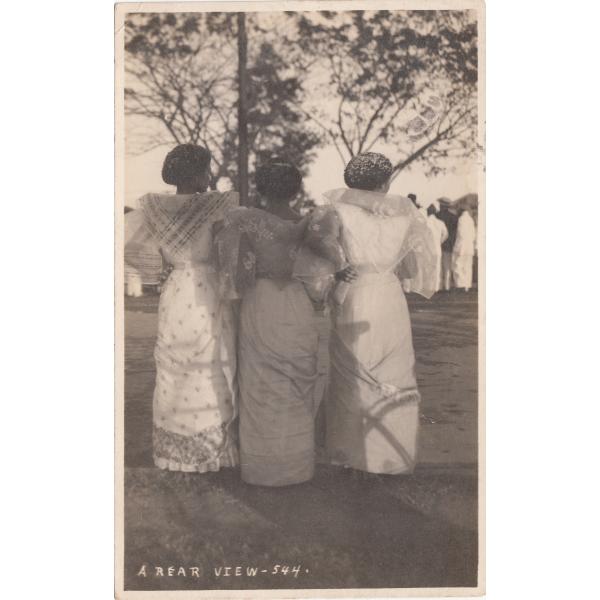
(193, 406)
(464, 250)
(372, 408)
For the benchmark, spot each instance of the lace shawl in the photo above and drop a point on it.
(168, 223)
(174, 225)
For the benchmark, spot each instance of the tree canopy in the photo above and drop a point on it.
(181, 74)
(380, 67)
(353, 80)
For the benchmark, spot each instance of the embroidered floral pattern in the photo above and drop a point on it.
(323, 236)
(249, 261)
(255, 244)
(257, 227)
(196, 449)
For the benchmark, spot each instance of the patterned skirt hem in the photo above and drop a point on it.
(227, 459)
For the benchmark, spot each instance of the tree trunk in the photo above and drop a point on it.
(242, 110)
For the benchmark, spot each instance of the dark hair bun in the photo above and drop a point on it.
(278, 180)
(367, 171)
(185, 162)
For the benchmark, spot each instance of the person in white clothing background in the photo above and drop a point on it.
(133, 282)
(440, 235)
(464, 250)
(408, 284)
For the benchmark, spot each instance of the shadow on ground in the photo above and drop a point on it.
(336, 531)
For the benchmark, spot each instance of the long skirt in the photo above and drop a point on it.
(372, 408)
(462, 269)
(195, 365)
(277, 375)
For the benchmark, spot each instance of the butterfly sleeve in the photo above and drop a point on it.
(321, 255)
(142, 251)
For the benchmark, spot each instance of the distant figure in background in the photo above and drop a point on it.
(440, 235)
(464, 250)
(133, 282)
(450, 220)
(133, 278)
(408, 284)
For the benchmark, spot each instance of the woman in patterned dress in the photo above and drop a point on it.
(193, 406)
(464, 250)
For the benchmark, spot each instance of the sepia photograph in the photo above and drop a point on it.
(300, 299)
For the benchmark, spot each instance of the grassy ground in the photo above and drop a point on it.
(338, 531)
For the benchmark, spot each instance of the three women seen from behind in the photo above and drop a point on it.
(281, 267)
